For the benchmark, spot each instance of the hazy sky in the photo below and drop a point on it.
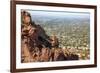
(59, 14)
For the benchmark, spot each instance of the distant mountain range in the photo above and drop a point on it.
(56, 20)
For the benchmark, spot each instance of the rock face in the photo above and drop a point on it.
(47, 55)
